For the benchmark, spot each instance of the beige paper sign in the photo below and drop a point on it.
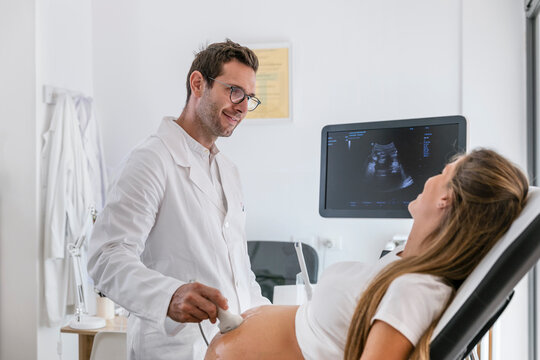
(272, 84)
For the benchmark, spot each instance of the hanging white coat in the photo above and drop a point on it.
(93, 148)
(67, 197)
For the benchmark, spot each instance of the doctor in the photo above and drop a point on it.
(170, 244)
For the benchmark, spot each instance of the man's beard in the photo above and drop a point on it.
(209, 117)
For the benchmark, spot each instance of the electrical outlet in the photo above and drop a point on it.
(309, 240)
(330, 242)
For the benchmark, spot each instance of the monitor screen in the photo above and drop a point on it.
(375, 169)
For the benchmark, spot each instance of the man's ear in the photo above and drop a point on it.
(197, 83)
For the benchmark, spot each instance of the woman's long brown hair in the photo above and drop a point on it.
(488, 193)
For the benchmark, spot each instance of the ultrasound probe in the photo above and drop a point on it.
(228, 321)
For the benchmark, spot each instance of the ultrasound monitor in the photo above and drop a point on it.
(375, 169)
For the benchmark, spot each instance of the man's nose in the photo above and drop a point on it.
(242, 107)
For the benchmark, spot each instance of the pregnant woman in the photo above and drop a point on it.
(389, 309)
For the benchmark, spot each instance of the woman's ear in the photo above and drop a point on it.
(197, 83)
(445, 200)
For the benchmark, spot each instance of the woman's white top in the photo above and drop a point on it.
(410, 304)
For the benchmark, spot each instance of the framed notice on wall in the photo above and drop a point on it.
(273, 83)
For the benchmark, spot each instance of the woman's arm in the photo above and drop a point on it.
(385, 342)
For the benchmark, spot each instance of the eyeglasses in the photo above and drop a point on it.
(238, 95)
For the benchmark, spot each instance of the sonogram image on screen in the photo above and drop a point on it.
(377, 169)
(383, 170)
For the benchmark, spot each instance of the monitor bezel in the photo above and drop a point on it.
(362, 213)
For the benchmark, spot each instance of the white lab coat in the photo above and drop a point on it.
(67, 197)
(163, 226)
(93, 148)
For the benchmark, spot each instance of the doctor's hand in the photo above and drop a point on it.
(195, 302)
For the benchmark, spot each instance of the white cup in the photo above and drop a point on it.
(105, 308)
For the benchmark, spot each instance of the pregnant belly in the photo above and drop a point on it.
(267, 333)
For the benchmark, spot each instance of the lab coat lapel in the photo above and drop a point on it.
(198, 176)
(171, 134)
(229, 188)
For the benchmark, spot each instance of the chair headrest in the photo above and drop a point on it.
(527, 216)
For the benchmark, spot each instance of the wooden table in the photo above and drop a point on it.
(86, 337)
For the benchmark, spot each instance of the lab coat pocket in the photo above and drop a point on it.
(237, 216)
(175, 347)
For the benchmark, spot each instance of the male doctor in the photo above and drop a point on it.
(170, 244)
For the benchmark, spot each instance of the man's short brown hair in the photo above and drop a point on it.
(210, 61)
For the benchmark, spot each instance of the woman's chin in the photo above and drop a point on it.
(410, 207)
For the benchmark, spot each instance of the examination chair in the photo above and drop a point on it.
(275, 263)
(484, 295)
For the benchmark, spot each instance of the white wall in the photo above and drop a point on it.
(18, 182)
(64, 53)
(537, 90)
(352, 62)
(494, 102)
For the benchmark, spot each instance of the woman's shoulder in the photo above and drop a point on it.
(421, 285)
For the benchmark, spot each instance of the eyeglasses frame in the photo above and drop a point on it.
(232, 87)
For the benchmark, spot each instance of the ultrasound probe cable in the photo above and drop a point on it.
(202, 333)
(200, 327)
(227, 321)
